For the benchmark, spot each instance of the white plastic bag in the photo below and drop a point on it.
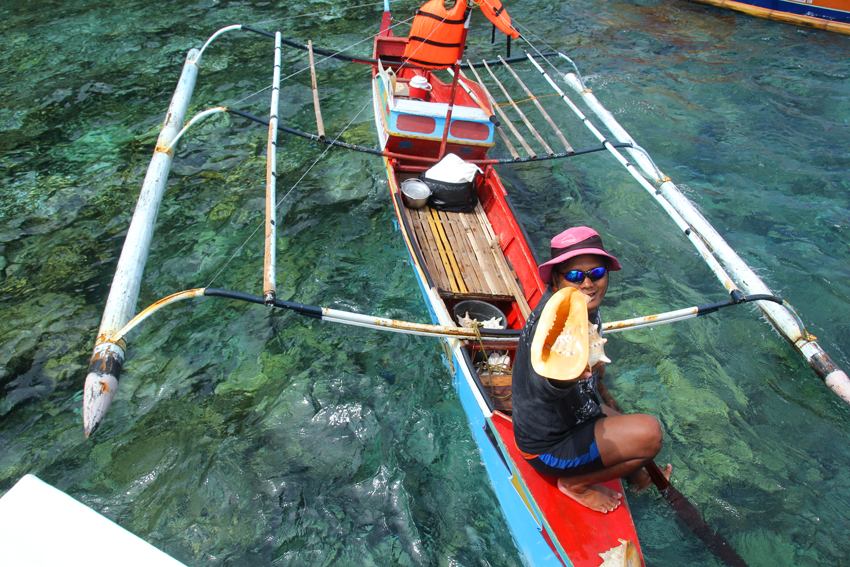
(452, 169)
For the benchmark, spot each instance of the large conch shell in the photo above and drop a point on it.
(595, 347)
(559, 349)
(624, 555)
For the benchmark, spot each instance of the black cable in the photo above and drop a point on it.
(375, 152)
(369, 60)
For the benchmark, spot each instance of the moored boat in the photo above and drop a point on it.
(481, 256)
(829, 15)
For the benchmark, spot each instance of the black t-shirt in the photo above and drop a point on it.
(545, 416)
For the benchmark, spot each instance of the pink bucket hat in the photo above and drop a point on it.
(575, 242)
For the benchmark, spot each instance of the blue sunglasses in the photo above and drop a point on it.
(577, 276)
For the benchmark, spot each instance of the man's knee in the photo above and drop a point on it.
(651, 435)
(656, 436)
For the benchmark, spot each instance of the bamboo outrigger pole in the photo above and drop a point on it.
(320, 125)
(108, 357)
(269, 267)
(522, 115)
(539, 106)
(780, 317)
(705, 239)
(514, 131)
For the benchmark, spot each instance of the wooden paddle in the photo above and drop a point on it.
(715, 542)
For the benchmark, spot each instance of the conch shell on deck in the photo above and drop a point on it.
(624, 555)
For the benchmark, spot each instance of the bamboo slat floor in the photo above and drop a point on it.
(463, 256)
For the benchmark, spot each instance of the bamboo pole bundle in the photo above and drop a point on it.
(539, 106)
(520, 112)
(532, 154)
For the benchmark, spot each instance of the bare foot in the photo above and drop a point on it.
(640, 479)
(596, 497)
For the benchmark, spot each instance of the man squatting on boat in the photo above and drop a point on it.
(560, 425)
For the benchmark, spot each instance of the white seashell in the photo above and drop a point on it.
(496, 359)
(624, 555)
(596, 350)
(466, 321)
(494, 323)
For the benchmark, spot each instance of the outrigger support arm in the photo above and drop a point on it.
(411, 328)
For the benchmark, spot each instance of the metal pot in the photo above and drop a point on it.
(414, 193)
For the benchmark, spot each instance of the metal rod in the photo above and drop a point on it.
(269, 267)
(108, 357)
(320, 126)
(520, 112)
(531, 153)
(454, 86)
(780, 317)
(539, 106)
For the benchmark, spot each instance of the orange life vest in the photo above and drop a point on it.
(496, 13)
(435, 38)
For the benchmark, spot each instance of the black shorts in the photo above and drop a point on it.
(577, 455)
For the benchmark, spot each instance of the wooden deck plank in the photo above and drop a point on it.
(470, 230)
(470, 272)
(449, 260)
(430, 254)
(463, 256)
(489, 245)
(507, 272)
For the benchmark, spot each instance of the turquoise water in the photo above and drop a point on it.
(241, 436)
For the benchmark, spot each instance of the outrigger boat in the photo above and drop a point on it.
(828, 15)
(462, 260)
